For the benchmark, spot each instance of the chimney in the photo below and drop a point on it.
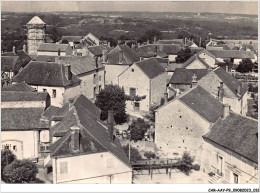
(165, 97)
(14, 50)
(110, 121)
(133, 46)
(200, 42)
(239, 89)
(59, 52)
(185, 43)
(227, 68)
(194, 80)
(221, 92)
(138, 45)
(71, 100)
(225, 111)
(108, 43)
(120, 57)
(104, 55)
(68, 72)
(74, 139)
(24, 48)
(147, 42)
(154, 40)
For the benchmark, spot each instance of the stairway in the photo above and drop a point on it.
(215, 179)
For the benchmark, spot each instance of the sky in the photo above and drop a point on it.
(234, 7)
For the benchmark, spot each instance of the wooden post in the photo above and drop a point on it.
(151, 173)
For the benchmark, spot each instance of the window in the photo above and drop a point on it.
(132, 92)
(94, 91)
(54, 94)
(94, 78)
(235, 178)
(44, 90)
(63, 167)
(133, 70)
(99, 77)
(14, 147)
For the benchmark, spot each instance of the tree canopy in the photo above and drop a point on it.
(183, 55)
(138, 128)
(246, 65)
(112, 97)
(7, 157)
(227, 62)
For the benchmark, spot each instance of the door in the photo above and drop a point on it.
(235, 178)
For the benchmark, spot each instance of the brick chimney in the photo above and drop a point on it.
(110, 121)
(120, 57)
(165, 97)
(14, 50)
(226, 68)
(194, 80)
(24, 48)
(68, 72)
(221, 92)
(74, 139)
(59, 52)
(108, 43)
(225, 111)
(239, 89)
(104, 55)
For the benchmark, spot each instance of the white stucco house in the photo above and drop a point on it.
(53, 78)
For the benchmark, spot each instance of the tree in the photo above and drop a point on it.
(7, 157)
(20, 171)
(151, 115)
(185, 34)
(246, 65)
(149, 35)
(138, 128)
(183, 55)
(64, 41)
(149, 155)
(185, 163)
(227, 62)
(134, 153)
(112, 97)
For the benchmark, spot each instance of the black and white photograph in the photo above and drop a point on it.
(130, 92)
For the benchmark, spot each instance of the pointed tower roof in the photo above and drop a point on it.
(36, 20)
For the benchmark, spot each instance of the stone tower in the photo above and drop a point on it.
(35, 34)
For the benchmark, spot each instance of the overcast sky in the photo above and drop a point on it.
(156, 6)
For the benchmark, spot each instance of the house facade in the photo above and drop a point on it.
(181, 122)
(231, 149)
(86, 151)
(53, 78)
(117, 61)
(145, 80)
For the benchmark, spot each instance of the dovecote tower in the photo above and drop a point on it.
(36, 29)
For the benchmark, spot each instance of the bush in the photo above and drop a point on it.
(196, 167)
(7, 157)
(20, 171)
(138, 129)
(185, 163)
(149, 155)
(134, 153)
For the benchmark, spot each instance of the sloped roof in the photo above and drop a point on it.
(98, 50)
(151, 67)
(93, 135)
(36, 20)
(184, 76)
(206, 52)
(147, 51)
(237, 54)
(237, 133)
(22, 96)
(23, 59)
(50, 111)
(173, 66)
(170, 49)
(203, 103)
(80, 64)
(195, 50)
(45, 74)
(10, 63)
(53, 47)
(72, 38)
(22, 87)
(173, 41)
(230, 81)
(193, 58)
(22, 119)
(45, 58)
(129, 56)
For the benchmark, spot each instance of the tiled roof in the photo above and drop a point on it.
(36, 20)
(23, 96)
(203, 103)
(129, 56)
(151, 67)
(230, 81)
(22, 119)
(147, 51)
(80, 64)
(93, 135)
(53, 47)
(22, 87)
(98, 50)
(224, 46)
(195, 50)
(173, 41)
(173, 66)
(50, 111)
(45, 74)
(237, 133)
(193, 58)
(170, 49)
(184, 76)
(10, 63)
(162, 60)
(72, 38)
(45, 58)
(206, 52)
(237, 54)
